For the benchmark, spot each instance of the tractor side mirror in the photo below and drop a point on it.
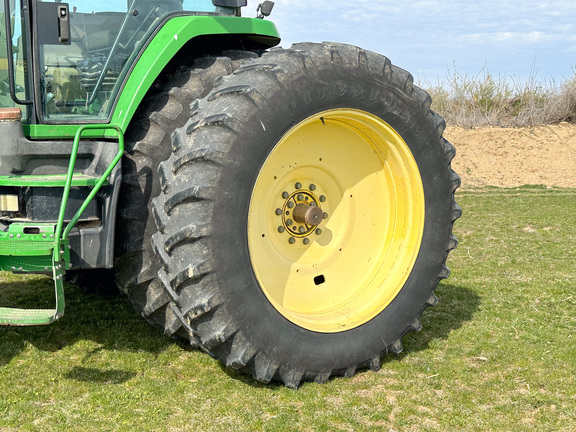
(265, 9)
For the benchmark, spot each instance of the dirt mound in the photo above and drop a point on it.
(509, 157)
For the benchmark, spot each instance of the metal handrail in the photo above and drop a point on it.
(59, 235)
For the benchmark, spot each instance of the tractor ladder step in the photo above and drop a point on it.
(30, 248)
(26, 317)
(53, 180)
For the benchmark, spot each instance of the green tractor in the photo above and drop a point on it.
(287, 211)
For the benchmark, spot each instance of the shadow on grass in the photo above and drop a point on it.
(91, 375)
(110, 321)
(457, 306)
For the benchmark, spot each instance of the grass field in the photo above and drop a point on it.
(498, 353)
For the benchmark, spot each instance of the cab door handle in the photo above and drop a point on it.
(63, 23)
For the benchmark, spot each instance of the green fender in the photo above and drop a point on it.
(164, 45)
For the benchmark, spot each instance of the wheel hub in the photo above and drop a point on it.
(301, 214)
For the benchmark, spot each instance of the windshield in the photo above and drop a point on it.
(79, 81)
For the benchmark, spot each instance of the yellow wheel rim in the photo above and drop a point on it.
(340, 273)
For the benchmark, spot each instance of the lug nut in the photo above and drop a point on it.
(306, 241)
(325, 215)
(281, 229)
(322, 198)
(292, 240)
(278, 212)
(285, 195)
(318, 231)
(298, 185)
(312, 187)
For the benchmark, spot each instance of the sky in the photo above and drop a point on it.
(512, 39)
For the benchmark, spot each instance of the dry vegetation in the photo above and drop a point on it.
(485, 100)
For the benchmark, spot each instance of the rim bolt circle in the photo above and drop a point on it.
(306, 241)
(281, 229)
(298, 185)
(285, 195)
(312, 187)
(292, 240)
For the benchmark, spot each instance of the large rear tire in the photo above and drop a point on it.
(305, 215)
(148, 143)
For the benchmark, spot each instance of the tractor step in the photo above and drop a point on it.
(41, 247)
(54, 180)
(26, 317)
(33, 317)
(30, 248)
(27, 247)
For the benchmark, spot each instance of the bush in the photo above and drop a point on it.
(485, 100)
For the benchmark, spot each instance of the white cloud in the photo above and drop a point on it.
(428, 36)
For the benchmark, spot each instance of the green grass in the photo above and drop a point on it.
(498, 352)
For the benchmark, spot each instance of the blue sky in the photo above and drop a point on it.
(508, 38)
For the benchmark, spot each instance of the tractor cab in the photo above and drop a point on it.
(66, 63)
